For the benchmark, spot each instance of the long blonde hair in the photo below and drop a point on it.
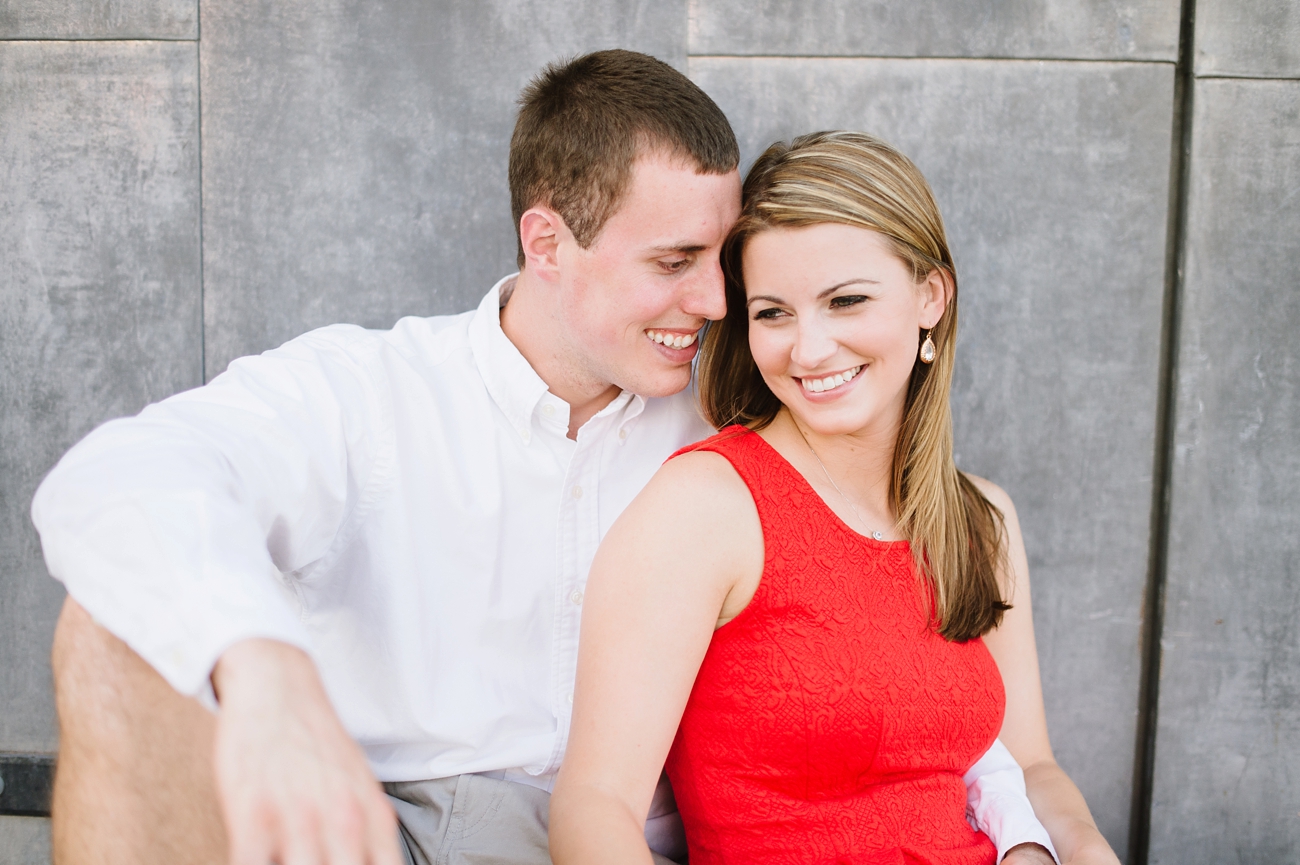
(849, 178)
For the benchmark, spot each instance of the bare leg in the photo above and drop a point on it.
(135, 777)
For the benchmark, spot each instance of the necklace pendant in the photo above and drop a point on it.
(878, 536)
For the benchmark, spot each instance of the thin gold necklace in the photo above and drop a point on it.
(877, 535)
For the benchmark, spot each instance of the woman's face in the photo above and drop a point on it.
(834, 318)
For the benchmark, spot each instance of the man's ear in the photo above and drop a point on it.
(540, 231)
(936, 291)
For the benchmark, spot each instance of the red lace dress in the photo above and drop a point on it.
(829, 723)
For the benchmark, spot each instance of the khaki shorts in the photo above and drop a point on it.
(473, 820)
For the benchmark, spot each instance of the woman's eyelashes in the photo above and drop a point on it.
(843, 301)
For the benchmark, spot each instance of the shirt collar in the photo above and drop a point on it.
(512, 383)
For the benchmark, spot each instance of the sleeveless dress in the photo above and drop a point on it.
(829, 722)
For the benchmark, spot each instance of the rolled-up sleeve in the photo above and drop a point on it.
(180, 530)
(996, 803)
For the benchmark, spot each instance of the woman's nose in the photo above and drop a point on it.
(813, 344)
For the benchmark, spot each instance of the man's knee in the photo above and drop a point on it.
(134, 782)
(92, 671)
(103, 689)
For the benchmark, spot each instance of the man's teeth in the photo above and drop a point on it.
(817, 385)
(672, 340)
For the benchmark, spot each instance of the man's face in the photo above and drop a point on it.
(634, 301)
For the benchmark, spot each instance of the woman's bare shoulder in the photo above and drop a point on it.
(712, 469)
(700, 484)
(699, 504)
(997, 496)
(692, 535)
(1015, 577)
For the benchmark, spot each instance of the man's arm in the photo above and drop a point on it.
(174, 530)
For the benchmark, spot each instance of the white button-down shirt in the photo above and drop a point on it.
(405, 506)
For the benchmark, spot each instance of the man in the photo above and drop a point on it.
(369, 548)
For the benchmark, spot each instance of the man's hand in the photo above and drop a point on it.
(294, 788)
(1028, 854)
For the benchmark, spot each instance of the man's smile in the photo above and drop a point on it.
(672, 338)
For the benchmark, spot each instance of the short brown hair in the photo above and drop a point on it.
(850, 178)
(583, 122)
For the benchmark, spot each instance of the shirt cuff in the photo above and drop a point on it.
(997, 805)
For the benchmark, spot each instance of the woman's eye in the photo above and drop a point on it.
(769, 313)
(675, 265)
(846, 300)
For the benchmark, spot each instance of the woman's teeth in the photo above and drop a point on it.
(672, 340)
(817, 385)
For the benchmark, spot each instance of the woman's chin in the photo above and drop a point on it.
(849, 417)
(828, 420)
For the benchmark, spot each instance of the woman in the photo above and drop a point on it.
(813, 616)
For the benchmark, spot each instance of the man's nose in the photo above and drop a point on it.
(707, 296)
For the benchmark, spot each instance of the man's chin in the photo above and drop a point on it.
(661, 385)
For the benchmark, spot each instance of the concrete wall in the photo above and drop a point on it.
(200, 182)
(100, 286)
(1227, 766)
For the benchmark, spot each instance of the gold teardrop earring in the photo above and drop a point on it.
(927, 349)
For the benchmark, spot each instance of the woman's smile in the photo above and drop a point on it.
(827, 386)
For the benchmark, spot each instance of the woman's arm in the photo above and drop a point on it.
(1057, 801)
(684, 557)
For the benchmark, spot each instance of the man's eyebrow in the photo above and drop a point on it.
(689, 248)
(823, 293)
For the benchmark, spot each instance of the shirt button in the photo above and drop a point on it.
(570, 698)
(622, 434)
(577, 492)
(576, 597)
(548, 409)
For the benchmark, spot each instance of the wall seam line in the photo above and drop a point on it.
(169, 40)
(1144, 762)
(1000, 58)
(1228, 77)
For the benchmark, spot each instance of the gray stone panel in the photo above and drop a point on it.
(24, 841)
(1053, 179)
(99, 294)
(1248, 38)
(1047, 29)
(99, 19)
(1228, 748)
(354, 155)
